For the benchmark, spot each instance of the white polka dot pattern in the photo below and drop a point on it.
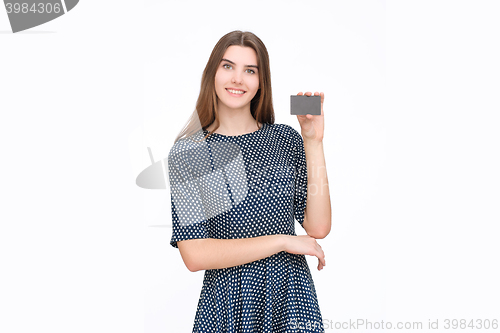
(244, 186)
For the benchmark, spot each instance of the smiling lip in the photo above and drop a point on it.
(234, 89)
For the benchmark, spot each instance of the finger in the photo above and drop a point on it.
(320, 265)
(308, 93)
(322, 256)
(322, 101)
(316, 93)
(301, 118)
(300, 94)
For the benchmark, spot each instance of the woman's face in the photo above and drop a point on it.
(237, 77)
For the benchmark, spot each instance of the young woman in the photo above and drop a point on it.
(237, 182)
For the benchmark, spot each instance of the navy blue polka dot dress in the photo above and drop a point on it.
(250, 185)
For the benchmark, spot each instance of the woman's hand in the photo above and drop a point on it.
(312, 126)
(305, 244)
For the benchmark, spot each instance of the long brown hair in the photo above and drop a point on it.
(261, 106)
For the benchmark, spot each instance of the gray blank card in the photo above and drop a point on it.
(302, 105)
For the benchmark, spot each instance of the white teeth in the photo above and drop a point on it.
(239, 92)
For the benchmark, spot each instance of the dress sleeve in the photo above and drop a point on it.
(188, 215)
(300, 198)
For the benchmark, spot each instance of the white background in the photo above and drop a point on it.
(411, 146)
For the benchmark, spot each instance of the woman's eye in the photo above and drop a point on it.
(226, 66)
(251, 71)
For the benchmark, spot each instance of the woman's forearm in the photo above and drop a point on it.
(211, 253)
(318, 213)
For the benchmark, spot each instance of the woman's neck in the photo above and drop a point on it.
(235, 122)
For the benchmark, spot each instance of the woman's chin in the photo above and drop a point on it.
(236, 106)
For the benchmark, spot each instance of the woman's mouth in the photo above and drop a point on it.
(235, 92)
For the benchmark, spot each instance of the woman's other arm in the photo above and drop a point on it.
(211, 253)
(318, 213)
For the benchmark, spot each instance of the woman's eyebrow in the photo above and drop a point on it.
(229, 61)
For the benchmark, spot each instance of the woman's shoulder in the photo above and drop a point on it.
(285, 131)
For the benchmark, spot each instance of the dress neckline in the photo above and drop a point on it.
(237, 136)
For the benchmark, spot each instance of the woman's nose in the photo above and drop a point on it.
(237, 78)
